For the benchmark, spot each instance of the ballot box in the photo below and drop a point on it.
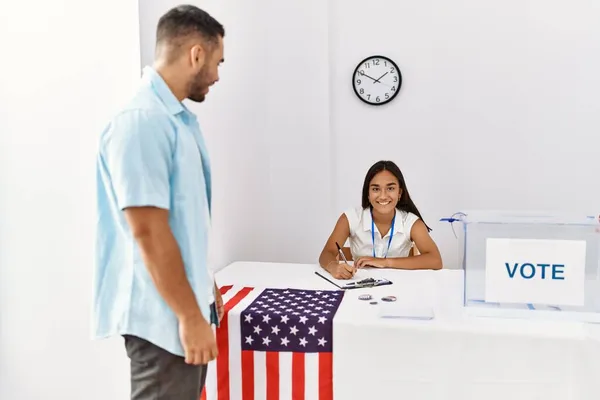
(529, 264)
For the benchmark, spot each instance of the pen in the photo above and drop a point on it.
(341, 252)
(343, 256)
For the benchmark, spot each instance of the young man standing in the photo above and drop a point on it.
(152, 283)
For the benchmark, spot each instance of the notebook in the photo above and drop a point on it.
(361, 279)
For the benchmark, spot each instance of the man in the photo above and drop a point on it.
(152, 283)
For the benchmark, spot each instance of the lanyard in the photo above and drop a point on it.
(373, 234)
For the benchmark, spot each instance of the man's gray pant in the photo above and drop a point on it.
(157, 374)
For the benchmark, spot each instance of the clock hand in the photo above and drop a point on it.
(377, 80)
(363, 74)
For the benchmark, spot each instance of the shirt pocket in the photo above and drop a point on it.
(188, 183)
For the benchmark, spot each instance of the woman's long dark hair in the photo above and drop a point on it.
(405, 203)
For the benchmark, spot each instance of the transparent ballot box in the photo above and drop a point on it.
(527, 264)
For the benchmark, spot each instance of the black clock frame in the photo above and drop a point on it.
(393, 96)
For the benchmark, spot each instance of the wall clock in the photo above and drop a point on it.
(376, 80)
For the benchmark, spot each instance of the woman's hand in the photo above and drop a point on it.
(341, 270)
(370, 262)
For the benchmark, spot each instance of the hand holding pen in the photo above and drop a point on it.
(342, 270)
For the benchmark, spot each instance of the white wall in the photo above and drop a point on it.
(497, 110)
(66, 66)
(268, 136)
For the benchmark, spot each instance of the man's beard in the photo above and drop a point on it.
(198, 87)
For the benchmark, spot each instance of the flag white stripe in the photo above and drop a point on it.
(311, 376)
(260, 375)
(230, 293)
(285, 375)
(210, 385)
(235, 342)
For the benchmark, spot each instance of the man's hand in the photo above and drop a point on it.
(219, 304)
(370, 262)
(198, 341)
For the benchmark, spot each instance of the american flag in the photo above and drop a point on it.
(274, 344)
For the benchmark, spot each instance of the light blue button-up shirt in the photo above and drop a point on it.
(151, 154)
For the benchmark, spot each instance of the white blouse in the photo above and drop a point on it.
(361, 240)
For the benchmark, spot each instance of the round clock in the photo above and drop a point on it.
(376, 80)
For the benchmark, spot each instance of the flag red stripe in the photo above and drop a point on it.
(325, 376)
(203, 395)
(247, 375)
(272, 375)
(225, 289)
(298, 383)
(223, 346)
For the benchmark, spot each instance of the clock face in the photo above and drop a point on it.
(377, 80)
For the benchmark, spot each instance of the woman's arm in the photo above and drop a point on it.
(328, 258)
(429, 258)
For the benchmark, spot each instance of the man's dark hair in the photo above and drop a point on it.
(185, 20)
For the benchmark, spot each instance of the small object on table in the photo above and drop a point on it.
(389, 298)
(365, 297)
(373, 302)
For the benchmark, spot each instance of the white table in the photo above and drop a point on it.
(453, 356)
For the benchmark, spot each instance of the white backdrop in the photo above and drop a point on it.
(63, 75)
(498, 109)
(267, 127)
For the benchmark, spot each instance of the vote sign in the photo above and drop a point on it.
(536, 271)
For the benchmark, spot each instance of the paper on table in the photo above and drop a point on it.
(398, 310)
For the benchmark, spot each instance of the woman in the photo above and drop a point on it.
(382, 231)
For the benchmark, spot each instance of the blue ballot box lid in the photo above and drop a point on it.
(521, 217)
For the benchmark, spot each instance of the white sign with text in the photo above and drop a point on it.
(535, 271)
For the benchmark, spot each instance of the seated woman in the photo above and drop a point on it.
(382, 231)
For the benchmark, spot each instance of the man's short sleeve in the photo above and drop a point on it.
(138, 152)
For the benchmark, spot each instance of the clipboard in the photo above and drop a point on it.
(363, 283)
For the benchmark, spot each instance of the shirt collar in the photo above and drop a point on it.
(366, 222)
(164, 93)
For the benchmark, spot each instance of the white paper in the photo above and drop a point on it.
(406, 311)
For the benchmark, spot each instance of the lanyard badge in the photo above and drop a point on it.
(373, 234)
